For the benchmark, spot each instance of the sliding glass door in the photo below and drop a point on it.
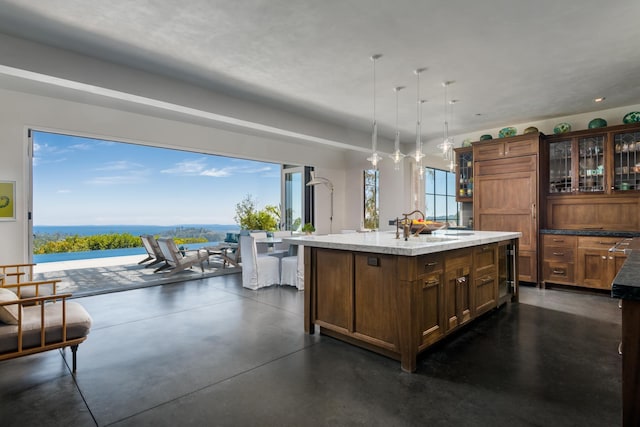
(297, 198)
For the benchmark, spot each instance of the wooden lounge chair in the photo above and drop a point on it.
(34, 325)
(179, 261)
(12, 275)
(153, 251)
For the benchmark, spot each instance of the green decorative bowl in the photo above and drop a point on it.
(531, 129)
(485, 137)
(507, 132)
(562, 128)
(632, 117)
(597, 123)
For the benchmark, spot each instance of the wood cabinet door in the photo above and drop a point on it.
(432, 311)
(375, 311)
(334, 289)
(458, 289)
(507, 201)
(593, 268)
(485, 280)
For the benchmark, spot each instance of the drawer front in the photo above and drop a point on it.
(430, 263)
(559, 254)
(485, 256)
(558, 272)
(597, 242)
(559, 240)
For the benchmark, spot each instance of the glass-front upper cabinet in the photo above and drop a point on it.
(464, 174)
(560, 166)
(626, 161)
(591, 166)
(577, 165)
(604, 160)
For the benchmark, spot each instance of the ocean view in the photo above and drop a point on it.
(135, 230)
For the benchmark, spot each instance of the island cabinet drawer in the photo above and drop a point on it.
(485, 257)
(559, 240)
(559, 254)
(592, 242)
(485, 290)
(558, 272)
(429, 264)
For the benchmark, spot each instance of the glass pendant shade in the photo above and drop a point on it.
(397, 156)
(375, 156)
(418, 155)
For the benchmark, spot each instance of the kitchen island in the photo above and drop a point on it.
(397, 297)
(626, 287)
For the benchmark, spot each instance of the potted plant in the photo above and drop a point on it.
(308, 228)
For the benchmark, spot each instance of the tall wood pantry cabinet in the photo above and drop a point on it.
(505, 196)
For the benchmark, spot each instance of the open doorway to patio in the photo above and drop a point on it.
(86, 186)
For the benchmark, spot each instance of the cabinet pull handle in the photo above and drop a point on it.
(533, 210)
(558, 253)
(558, 271)
(431, 264)
(432, 282)
(486, 280)
(604, 257)
(620, 303)
(559, 240)
(620, 348)
(461, 280)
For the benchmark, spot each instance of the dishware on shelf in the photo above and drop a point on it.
(632, 117)
(485, 137)
(507, 132)
(562, 128)
(597, 123)
(531, 129)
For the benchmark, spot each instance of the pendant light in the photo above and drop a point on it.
(418, 155)
(397, 156)
(447, 144)
(375, 157)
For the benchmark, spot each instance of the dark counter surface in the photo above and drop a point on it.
(626, 284)
(601, 233)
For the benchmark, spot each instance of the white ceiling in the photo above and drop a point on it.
(513, 61)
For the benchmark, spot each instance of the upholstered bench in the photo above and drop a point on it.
(34, 325)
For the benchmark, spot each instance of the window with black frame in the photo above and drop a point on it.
(440, 196)
(371, 200)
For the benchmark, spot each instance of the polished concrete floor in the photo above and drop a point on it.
(210, 353)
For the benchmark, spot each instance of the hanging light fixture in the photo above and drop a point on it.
(447, 144)
(418, 155)
(375, 156)
(397, 156)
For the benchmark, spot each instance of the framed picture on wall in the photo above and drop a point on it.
(7, 200)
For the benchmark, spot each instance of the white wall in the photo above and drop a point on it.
(21, 111)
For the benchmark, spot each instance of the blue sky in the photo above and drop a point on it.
(83, 181)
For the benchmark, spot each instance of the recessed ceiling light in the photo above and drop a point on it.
(602, 98)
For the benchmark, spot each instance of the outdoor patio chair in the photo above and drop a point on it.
(153, 251)
(179, 261)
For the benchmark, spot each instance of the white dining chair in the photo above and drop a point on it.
(292, 269)
(258, 271)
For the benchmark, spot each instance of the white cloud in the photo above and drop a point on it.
(187, 167)
(217, 173)
(63, 191)
(120, 165)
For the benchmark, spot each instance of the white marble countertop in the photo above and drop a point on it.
(385, 242)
